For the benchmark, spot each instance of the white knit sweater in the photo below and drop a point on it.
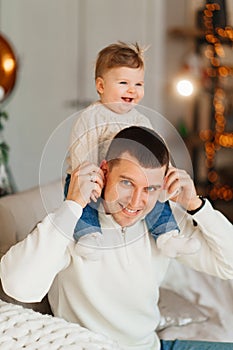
(117, 294)
(93, 131)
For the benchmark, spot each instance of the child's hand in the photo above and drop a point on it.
(86, 183)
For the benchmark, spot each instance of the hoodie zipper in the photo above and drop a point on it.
(123, 234)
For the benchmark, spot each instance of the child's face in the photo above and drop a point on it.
(121, 88)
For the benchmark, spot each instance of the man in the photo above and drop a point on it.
(116, 294)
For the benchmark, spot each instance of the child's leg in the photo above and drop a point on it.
(163, 227)
(161, 220)
(89, 221)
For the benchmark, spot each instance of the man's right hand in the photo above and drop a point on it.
(86, 184)
(179, 180)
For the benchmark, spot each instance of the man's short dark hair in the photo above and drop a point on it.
(141, 143)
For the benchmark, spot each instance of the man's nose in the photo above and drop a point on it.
(138, 198)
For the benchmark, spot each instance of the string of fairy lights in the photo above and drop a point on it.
(217, 137)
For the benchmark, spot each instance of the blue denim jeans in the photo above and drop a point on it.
(194, 345)
(160, 220)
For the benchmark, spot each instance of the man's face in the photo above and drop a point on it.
(121, 88)
(131, 191)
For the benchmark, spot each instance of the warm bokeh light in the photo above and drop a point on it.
(226, 140)
(221, 192)
(185, 87)
(2, 93)
(218, 137)
(8, 64)
(8, 68)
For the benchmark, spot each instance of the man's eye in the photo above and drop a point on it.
(126, 183)
(151, 189)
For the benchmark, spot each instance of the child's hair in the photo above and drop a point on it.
(143, 144)
(119, 54)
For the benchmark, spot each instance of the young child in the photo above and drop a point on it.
(119, 79)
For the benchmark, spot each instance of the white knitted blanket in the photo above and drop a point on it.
(22, 328)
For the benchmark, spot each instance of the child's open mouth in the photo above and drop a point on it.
(127, 99)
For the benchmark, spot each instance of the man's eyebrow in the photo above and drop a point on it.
(155, 186)
(124, 177)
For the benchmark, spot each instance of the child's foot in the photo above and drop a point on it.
(173, 244)
(89, 246)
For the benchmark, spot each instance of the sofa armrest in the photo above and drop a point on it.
(19, 214)
(7, 230)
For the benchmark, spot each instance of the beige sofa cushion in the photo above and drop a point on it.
(7, 229)
(19, 214)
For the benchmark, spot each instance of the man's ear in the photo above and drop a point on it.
(99, 84)
(105, 167)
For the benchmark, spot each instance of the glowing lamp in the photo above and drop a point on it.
(184, 87)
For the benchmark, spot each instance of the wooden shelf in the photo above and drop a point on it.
(189, 33)
(198, 34)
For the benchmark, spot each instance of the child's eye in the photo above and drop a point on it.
(123, 82)
(139, 84)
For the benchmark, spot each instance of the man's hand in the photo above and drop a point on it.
(86, 184)
(179, 181)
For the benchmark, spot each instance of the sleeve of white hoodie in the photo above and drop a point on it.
(28, 269)
(215, 233)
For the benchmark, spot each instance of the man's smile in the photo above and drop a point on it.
(129, 211)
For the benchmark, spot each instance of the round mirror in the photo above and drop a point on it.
(8, 69)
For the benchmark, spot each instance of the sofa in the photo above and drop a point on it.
(192, 305)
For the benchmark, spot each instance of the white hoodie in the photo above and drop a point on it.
(116, 294)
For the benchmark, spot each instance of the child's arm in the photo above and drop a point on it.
(83, 143)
